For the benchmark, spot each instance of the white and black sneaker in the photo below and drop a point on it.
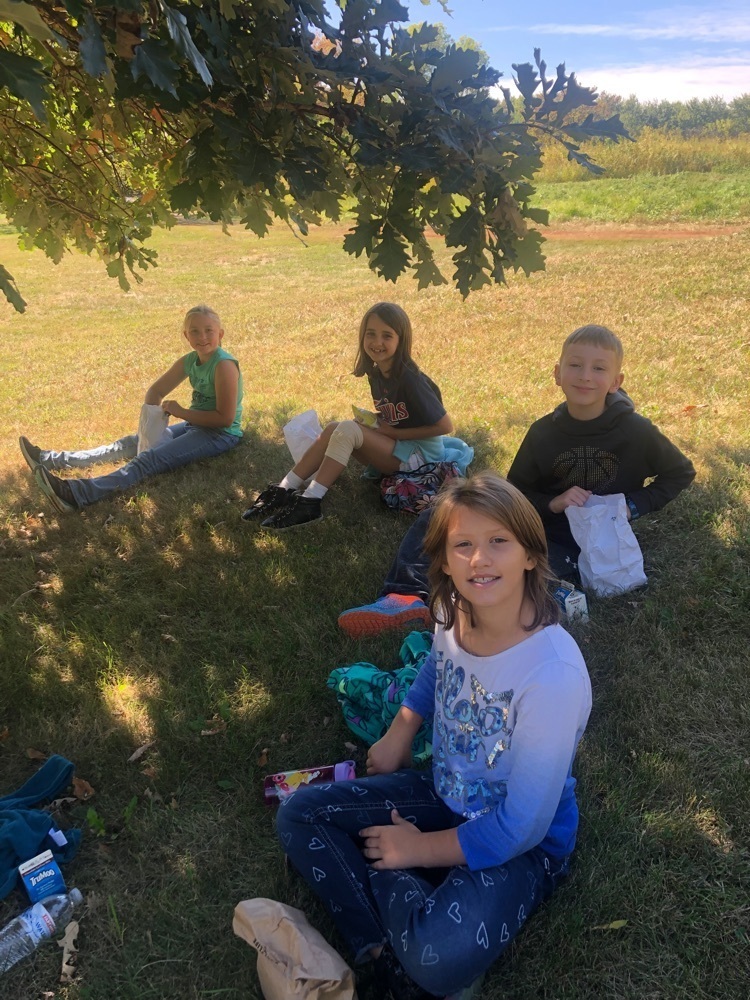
(302, 510)
(272, 499)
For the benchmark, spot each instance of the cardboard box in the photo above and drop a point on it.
(572, 602)
(41, 876)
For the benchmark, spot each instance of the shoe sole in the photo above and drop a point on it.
(288, 527)
(31, 462)
(364, 624)
(60, 505)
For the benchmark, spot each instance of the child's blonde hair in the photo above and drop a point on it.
(201, 310)
(599, 336)
(496, 498)
(394, 317)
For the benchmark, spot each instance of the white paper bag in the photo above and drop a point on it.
(610, 561)
(300, 433)
(152, 427)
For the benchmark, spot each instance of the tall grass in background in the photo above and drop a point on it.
(656, 153)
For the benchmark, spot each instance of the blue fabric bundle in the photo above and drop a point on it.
(24, 831)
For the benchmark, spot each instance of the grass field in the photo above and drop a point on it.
(160, 615)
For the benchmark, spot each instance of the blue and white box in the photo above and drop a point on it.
(572, 602)
(41, 876)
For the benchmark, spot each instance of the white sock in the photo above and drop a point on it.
(292, 481)
(315, 490)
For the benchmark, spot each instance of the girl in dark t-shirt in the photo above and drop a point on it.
(405, 432)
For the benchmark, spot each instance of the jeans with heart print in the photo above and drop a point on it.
(445, 926)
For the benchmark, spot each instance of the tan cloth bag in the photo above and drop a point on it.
(294, 960)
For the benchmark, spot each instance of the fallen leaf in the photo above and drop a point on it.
(217, 726)
(616, 925)
(168, 638)
(108, 520)
(82, 790)
(33, 754)
(350, 746)
(326, 720)
(263, 759)
(68, 944)
(4, 734)
(149, 772)
(137, 754)
(284, 738)
(692, 407)
(63, 803)
(173, 803)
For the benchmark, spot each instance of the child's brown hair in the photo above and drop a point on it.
(491, 495)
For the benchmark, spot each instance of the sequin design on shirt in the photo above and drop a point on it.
(473, 733)
(589, 467)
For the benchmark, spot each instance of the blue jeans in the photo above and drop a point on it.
(445, 926)
(187, 444)
(408, 572)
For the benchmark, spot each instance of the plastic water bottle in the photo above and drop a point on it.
(23, 935)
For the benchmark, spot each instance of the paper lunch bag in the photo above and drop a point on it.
(610, 561)
(294, 960)
(152, 427)
(300, 433)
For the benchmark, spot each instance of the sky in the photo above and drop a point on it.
(655, 51)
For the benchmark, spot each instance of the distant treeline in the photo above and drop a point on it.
(712, 116)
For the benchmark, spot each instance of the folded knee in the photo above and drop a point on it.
(346, 437)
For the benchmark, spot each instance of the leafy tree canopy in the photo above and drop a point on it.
(117, 114)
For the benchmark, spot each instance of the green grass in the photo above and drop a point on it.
(675, 198)
(147, 616)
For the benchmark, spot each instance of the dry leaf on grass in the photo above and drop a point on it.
(350, 746)
(137, 754)
(4, 734)
(168, 638)
(263, 759)
(82, 790)
(216, 726)
(33, 754)
(616, 925)
(149, 772)
(63, 803)
(68, 944)
(692, 407)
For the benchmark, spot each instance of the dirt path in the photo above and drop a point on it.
(594, 232)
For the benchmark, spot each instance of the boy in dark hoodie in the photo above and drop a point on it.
(594, 442)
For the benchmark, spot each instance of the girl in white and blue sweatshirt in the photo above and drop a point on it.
(433, 875)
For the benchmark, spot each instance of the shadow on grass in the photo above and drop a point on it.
(159, 616)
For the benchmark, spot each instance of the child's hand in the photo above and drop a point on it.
(387, 756)
(386, 430)
(172, 407)
(394, 846)
(576, 496)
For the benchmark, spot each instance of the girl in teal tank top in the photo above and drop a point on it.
(211, 425)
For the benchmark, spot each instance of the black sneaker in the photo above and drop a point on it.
(57, 491)
(394, 980)
(30, 452)
(272, 499)
(302, 510)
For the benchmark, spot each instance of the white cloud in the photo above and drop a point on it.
(728, 24)
(678, 81)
